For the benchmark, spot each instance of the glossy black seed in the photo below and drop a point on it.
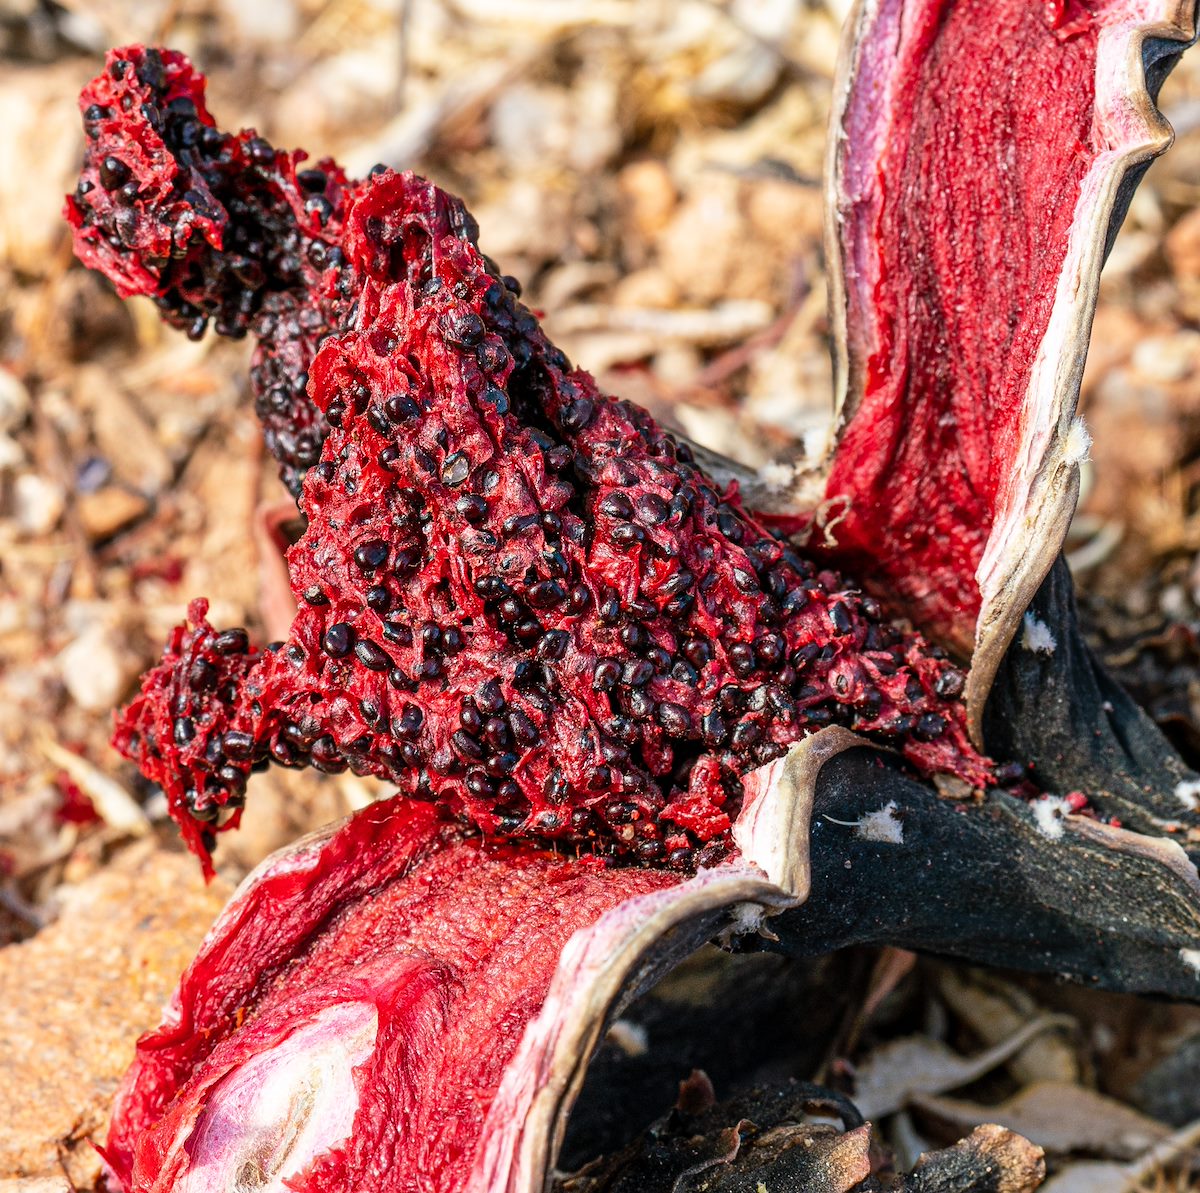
(184, 731)
(553, 645)
(499, 765)
(371, 654)
(950, 683)
(466, 746)
(638, 703)
(546, 593)
(202, 675)
(633, 636)
(337, 640)
(627, 534)
(616, 505)
(673, 718)
(407, 724)
(609, 610)
(490, 698)
(479, 785)
(378, 599)
(745, 734)
(697, 652)
(472, 508)
(237, 744)
(429, 669)
(606, 675)
(496, 733)
(229, 642)
(651, 509)
(684, 672)
(579, 599)
(637, 672)
(803, 655)
(840, 619)
(929, 726)
(315, 596)
(113, 173)
(371, 555)
(745, 580)
(742, 660)
(713, 728)
(456, 469)
(525, 732)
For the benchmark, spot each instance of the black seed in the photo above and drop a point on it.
(430, 669)
(228, 642)
(113, 173)
(616, 505)
(697, 652)
(185, 730)
(315, 596)
(466, 746)
(524, 732)
(840, 619)
(338, 639)
(371, 654)
(452, 641)
(803, 655)
(495, 733)
(490, 698)
(637, 673)
(378, 598)
(237, 744)
(371, 555)
(627, 534)
(606, 675)
(553, 645)
(769, 648)
(673, 718)
(741, 659)
(652, 509)
(930, 725)
(479, 785)
(745, 735)
(579, 599)
(471, 508)
(633, 636)
(546, 593)
(456, 469)
(950, 683)
(202, 675)
(713, 727)
(408, 724)
(577, 415)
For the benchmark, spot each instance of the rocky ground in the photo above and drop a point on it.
(651, 170)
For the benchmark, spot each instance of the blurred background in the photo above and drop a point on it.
(651, 170)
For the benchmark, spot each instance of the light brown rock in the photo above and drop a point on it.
(75, 997)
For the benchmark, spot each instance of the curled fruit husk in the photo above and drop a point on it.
(436, 963)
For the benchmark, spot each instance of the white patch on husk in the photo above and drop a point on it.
(1048, 814)
(883, 826)
(1187, 792)
(1038, 637)
(1191, 958)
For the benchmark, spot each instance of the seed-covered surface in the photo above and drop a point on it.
(215, 226)
(521, 598)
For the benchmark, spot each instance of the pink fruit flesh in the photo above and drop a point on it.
(350, 1016)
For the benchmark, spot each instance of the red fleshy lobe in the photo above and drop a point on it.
(215, 226)
(349, 962)
(962, 159)
(520, 598)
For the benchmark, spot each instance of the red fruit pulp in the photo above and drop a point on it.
(519, 598)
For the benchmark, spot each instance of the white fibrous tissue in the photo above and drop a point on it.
(883, 826)
(1187, 792)
(1048, 813)
(1037, 637)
